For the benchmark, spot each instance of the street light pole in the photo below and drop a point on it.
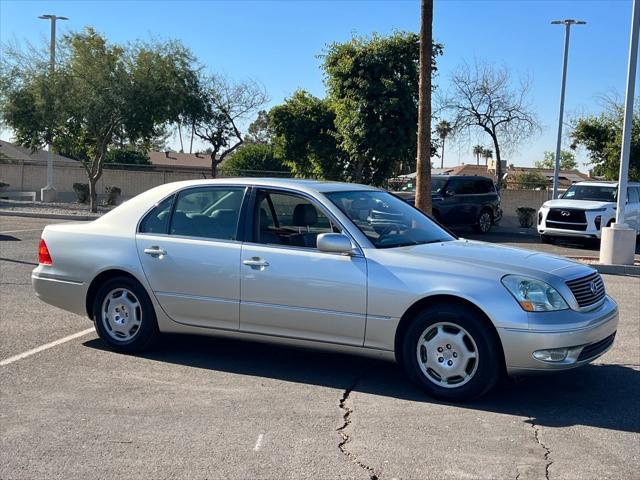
(48, 193)
(619, 241)
(567, 23)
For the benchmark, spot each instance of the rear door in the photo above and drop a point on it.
(190, 253)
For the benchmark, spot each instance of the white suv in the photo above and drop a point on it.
(585, 208)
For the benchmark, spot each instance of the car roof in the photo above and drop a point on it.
(305, 185)
(465, 177)
(607, 183)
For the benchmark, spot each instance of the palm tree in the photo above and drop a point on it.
(423, 170)
(478, 150)
(487, 153)
(443, 128)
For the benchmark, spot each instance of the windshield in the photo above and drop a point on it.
(591, 192)
(388, 221)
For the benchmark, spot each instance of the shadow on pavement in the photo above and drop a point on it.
(596, 395)
(8, 238)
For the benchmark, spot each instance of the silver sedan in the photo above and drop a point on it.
(331, 265)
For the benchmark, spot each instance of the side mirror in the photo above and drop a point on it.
(334, 243)
(449, 193)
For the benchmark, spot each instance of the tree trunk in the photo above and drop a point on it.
(93, 195)
(180, 135)
(423, 170)
(214, 165)
(442, 155)
(498, 163)
(477, 158)
(193, 127)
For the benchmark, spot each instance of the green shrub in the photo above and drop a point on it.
(526, 216)
(82, 192)
(113, 193)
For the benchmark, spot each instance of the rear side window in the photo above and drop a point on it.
(461, 187)
(157, 220)
(208, 212)
(484, 186)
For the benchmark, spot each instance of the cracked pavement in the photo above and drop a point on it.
(207, 408)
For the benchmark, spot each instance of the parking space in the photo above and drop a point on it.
(210, 408)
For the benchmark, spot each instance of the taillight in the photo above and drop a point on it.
(43, 254)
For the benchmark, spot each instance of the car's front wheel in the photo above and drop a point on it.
(485, 220)
(450, 353)
(124, 316)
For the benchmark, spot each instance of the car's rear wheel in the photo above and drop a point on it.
(547, 239)
(449, 351)
(485, 220)
(124, 316)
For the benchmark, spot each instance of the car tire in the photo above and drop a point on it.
(484, 222)
(463, 358)
(124, 316)
(547, 239)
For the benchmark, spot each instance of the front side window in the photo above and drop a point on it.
(597, 193)
(386, 220)
(157, 220)
(632, 195)
(208, 212)
(289, 219)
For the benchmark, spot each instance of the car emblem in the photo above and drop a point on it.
(564, 213)
(593, 287)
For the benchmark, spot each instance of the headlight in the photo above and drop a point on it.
(534, 295)
(545, 205)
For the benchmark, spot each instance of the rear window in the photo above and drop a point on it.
(157, 220)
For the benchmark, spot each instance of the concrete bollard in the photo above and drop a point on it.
(618, 245)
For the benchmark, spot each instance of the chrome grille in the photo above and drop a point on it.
(582, 289)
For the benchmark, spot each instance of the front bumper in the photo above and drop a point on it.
(586, 342)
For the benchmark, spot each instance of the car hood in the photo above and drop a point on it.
(580, 204)
(480, 259)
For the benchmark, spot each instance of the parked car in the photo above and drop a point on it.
(341, 266)
(585, 208)
(461, 200)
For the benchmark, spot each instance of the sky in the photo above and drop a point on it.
(277, 43)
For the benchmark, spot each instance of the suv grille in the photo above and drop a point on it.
(567, 218)
(587, 290)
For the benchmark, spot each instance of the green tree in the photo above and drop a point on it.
(601, 136)
(531, 181)
(443, 129)
(259, 131)
(477, 151)
(372, 85)
(567, 160)
(304, 136)
(487, 153)
(253, 158)
(100, 93)
(127, 156)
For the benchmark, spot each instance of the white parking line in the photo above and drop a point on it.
(46, 346)
(19, 231)
(258, 442)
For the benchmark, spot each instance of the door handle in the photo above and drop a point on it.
(255, 262)
(155, 250)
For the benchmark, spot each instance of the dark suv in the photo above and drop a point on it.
(461, 200)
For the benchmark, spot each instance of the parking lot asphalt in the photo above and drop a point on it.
(198, 407)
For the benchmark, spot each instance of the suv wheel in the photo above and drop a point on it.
(450, 353)
(485, 220)
(124, 316)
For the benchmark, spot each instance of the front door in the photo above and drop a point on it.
(191, 256)
(289, 287)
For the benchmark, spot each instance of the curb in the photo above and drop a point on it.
(52, 216)
(630, 270)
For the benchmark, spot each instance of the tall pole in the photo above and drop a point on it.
(618, 242)
(423, 163)
(567, 32)
(48, 193)
(628, 116)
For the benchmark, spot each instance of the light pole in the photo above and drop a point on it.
(48, 193)
(619, 241)
(567, 25)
